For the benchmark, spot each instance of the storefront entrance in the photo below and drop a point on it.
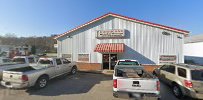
(109, 61)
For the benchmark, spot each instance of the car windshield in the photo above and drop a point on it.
(197, 75)
(19, 60)
(128, 63)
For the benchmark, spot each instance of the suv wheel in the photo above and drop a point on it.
(177, 91)
(154, 73)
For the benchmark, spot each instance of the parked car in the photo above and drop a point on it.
(17, 62)
(185, 80)
(39, 75)
(4, 60)
(25, 59)
(131, 78)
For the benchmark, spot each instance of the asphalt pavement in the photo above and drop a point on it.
(82, 86)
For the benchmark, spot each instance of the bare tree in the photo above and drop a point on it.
(41, 44)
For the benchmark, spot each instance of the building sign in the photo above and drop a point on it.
(167, 59)
(116, 33)
(83, 57)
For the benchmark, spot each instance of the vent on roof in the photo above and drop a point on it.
(179, 37)
(165, 33)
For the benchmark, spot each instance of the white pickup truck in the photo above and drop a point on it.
(17, 62)
(131, 78)
(39, 75)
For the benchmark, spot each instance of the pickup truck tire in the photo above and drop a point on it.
(41, 82)
(74, 70)
(177, 91)
(115, 94)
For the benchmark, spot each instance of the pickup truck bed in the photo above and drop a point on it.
(134, 80)
(23, 69)
(37, 75)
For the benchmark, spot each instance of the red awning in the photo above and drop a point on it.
(109, 47)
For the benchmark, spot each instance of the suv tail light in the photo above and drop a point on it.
(24, 78)
(115, 83)
(157, 85)
(188, 83)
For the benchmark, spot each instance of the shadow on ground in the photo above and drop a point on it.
(167, 94)
(71, 84)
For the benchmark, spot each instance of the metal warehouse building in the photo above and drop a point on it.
(98, 43)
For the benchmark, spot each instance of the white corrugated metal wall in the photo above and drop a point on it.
(144, 43)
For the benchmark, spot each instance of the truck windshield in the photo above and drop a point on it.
(45, 62)
(128, 63)
(19, 60)
(197, 75)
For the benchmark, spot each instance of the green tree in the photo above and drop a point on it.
(33, 49)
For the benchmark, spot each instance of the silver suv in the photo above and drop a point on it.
(185, 80)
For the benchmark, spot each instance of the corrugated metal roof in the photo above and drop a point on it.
(194, 39)
(126, 18)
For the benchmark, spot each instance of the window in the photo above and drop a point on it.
(6, 60)
(65, 61)
(168, 68)
(31, 60)
(19, 60)
(58, 62)
(83, 57)
(182, 72)
(45, 61)
(197, 75)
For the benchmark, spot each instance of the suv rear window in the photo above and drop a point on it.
(128, 63)
(197, 75)
(182, 72)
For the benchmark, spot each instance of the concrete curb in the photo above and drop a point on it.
(105, 72)
(94, 72)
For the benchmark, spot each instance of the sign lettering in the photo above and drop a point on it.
(116, 33)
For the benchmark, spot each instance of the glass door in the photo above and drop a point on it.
(105, 61)
(109, 61)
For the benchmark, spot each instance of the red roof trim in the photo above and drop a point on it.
(126, 18)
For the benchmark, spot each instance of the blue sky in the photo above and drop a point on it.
(46, 17)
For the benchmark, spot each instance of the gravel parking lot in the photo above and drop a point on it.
(83, 86)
